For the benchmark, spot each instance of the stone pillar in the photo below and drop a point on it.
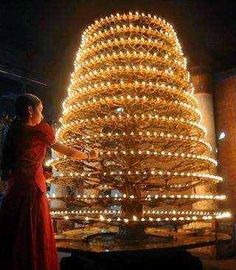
(203, 85)
(202, 81)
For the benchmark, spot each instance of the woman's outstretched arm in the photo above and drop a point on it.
(74, 153)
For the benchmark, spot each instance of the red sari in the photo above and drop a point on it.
(26, 232)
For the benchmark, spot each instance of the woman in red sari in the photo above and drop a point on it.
(26, 233)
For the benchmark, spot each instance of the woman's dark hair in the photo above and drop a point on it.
(22, 104)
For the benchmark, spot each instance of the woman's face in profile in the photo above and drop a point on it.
(37, 114)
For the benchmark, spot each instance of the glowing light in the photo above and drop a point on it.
(131, 97)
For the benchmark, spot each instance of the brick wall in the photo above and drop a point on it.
(225, 120)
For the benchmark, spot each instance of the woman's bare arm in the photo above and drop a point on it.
(69, 151)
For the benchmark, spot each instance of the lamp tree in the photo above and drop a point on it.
(131, 96)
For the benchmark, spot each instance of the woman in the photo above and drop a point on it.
(26, 233)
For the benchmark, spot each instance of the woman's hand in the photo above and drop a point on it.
(90, 156)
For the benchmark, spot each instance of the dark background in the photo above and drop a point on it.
(39, 40)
